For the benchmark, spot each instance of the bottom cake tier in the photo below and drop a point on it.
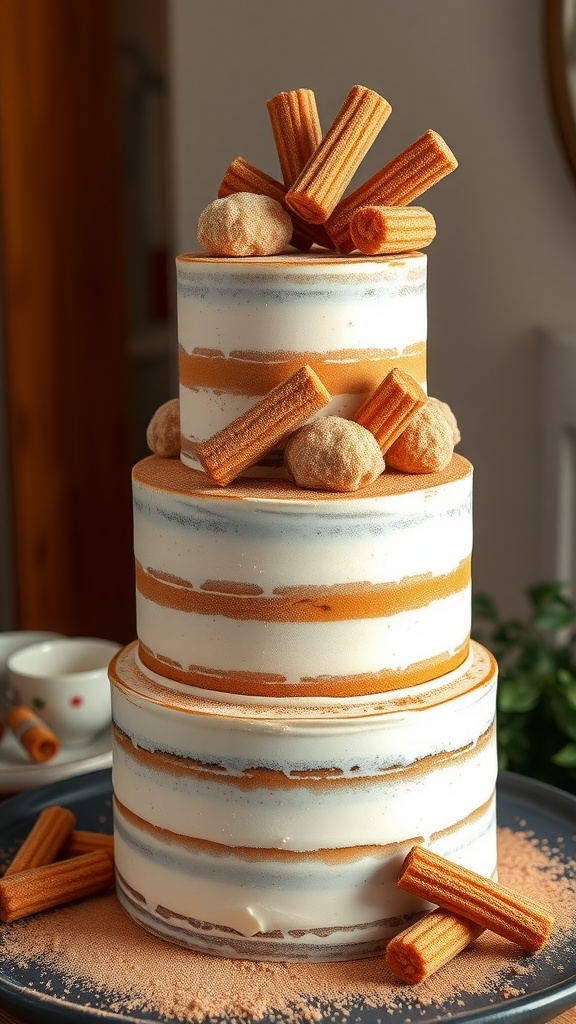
(270, 831)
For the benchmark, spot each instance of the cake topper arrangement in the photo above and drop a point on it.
(257, 216)
(374, 219)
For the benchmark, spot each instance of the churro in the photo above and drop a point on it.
(80, 841)
(478, 899)
(242, 176)
(39, 742)
(50, 885)
(423, 163)
(427, 945)
(387, 411)
(391, 229)
(296, 129)
(254, 433)
(44, 841)
(322, 181)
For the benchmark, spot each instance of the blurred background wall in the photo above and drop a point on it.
(190, 83)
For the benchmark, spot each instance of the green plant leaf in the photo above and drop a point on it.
(518, 695)
(555, 615)
(551, 607)
(566, 757)
(564, 714)
(542, 593)
(566, 685)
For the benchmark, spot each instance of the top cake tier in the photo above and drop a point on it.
(246, 325)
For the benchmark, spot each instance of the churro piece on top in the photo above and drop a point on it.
(242, 176)
(478, 899)
(331, 167)
(425, 445)
(423, 163)
(391, 229)
(333, 454)
(44, 841)
(51, 885)
(254, 433)
(244, 224)
(296, 129)
(386, 412)
(427, 945)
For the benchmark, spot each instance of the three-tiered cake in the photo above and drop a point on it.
(303, 703)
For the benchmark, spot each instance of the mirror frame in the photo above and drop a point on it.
(563, 106)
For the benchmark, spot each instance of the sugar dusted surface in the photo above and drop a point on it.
(143, 974)
(172, 475)
(315, 257)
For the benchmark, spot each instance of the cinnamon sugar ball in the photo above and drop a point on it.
(425, 446)
(163, 433)
(333, 454)
(243, 224)
(446, 411)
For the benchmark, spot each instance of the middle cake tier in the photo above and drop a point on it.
(262, 589)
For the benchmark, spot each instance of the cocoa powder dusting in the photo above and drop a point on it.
(91, 953)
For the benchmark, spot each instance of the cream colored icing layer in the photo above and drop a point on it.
(295, 825)
(245, 325)
(273, 591)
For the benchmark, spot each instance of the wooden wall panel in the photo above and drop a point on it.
(63, 304)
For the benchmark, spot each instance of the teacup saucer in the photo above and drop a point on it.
(18, 773)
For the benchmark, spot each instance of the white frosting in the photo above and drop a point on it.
(238, 814)
(300, 651)
(263, 853)
(316, 305)
(196, 539)
(265, 895)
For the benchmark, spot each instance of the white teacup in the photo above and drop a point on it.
(14, 640)
(66, 682)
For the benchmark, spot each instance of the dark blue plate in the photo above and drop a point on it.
(522, 803)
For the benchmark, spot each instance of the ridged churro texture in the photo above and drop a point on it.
(392, 229)
(296, 128)
(388, 410)
(456, 888)
(324, 178)
(51, 829)
(241, 443)
(246, 325)
(423, 163)
(242, 176)
(275, 829)
(262, 589)
(427, 945)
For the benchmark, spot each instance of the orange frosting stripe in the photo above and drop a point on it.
(339, 603)
(262, 684)
(343, 372)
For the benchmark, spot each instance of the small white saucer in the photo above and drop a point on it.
(18, 773)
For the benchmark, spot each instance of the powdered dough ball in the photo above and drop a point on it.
(333, 454)
(425, 446)
(446, 411)
(163, 433)
(243, 224)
